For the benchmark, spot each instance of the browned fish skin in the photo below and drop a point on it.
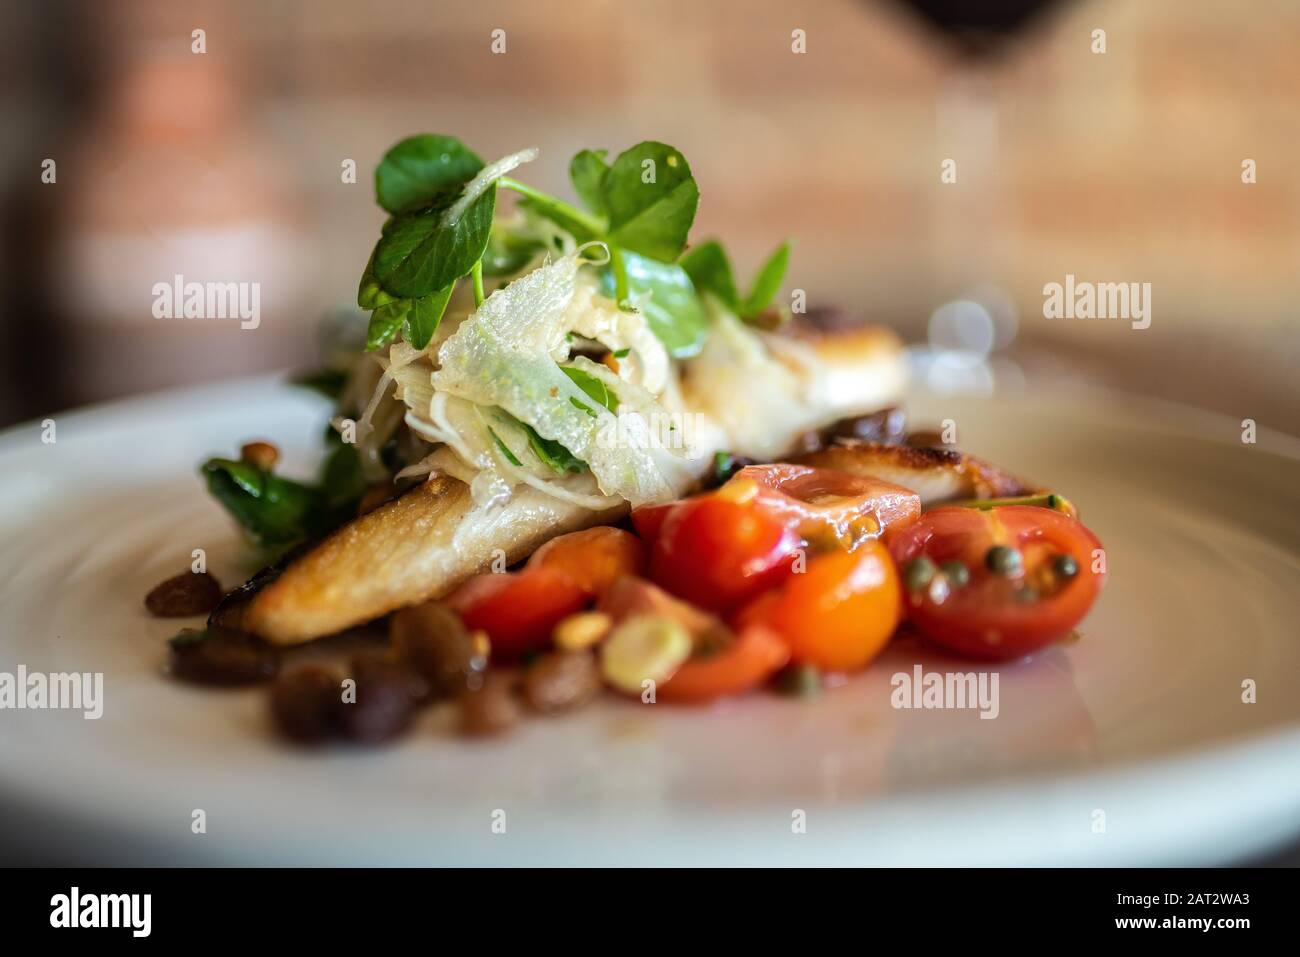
(359, 572)
(401, 554)
(937, 475)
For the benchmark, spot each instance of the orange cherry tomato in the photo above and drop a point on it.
(593, 558)
(518, 610)
(839, 613)
(756, 653)
(716, 553)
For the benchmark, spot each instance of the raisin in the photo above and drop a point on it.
(222, 658)
(563, 680)
(186, 594)
(303, 703)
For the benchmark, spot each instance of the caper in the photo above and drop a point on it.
(1004, 560)
(938, 590)
(799, 681)
(1065, 566)
(956, 572)
(918, 573)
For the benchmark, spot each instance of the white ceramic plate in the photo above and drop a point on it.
(1142, 721)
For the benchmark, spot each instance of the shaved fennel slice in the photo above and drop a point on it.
(399, 356)
(466, 434)
(598, 317)
(382, 414)
(489, 451)
(505, 355)
(658, 426)
(414, 386)
(487, 487)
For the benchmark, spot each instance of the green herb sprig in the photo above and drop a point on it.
(641, 205)
(277, 513)
(710, 270)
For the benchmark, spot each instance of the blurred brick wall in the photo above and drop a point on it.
(1115, 167)
(1118, 165)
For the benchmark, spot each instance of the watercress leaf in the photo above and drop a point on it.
(342, 482)
(385, 323)
(425, 315)
(273, 510)
(370, 294)
(667, 298)
(508, 252)
(419, 168)
(650, 197)
(710, 271)
(420, 253)
(596, 388)
(767, 281)
(587, 170)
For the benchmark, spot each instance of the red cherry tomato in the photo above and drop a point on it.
(996, 615)
(518, 610)
(754, 655)
(837, 614)
(825, 505)
(716, 553)
(593, 558)
(649, 519)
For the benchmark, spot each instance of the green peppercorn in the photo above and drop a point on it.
(919, 573)
(1065, 566)
(956, 572)
(799, 681)
(1004, 560)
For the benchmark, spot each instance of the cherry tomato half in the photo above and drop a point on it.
(593, 558)
(753, 655)
(838, 613)
(715, 552)
(518, 610)
(628, 597)
(826, 506)
(1026, 577)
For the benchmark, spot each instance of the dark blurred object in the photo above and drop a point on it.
(146, 168)
(980, 27)
(65, 85)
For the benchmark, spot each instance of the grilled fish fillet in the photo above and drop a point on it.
(936, 475)
(414, 548)
(757, 391)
